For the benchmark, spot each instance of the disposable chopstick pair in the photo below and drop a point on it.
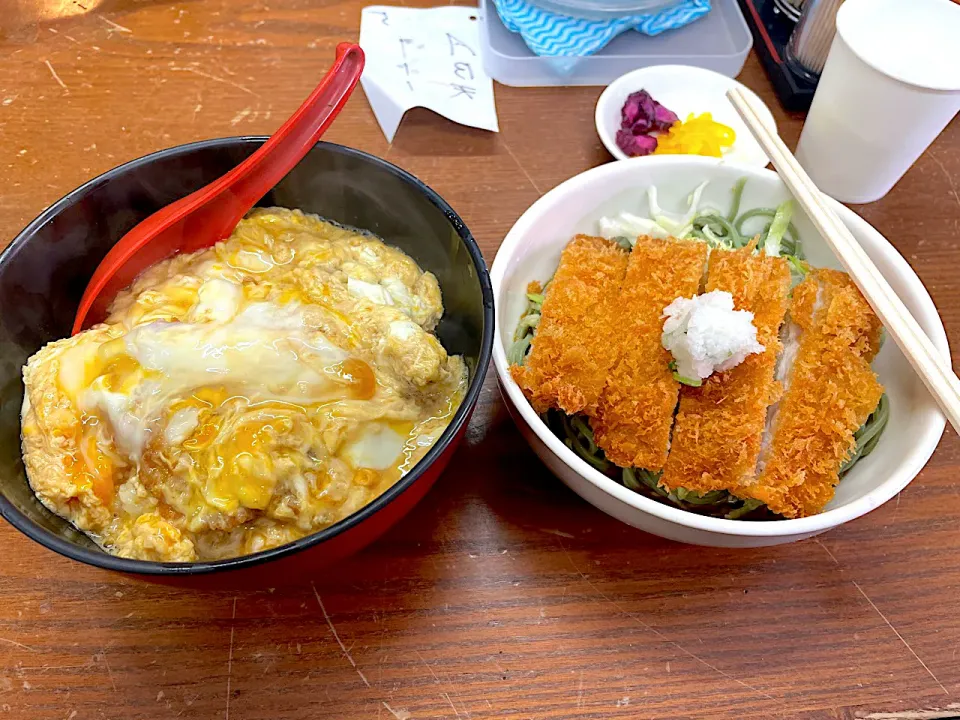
(930, 365)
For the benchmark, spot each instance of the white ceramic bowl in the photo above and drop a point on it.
(531, 251)
(683, 89)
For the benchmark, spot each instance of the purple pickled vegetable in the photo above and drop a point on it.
(640, 115)
(635, 145)
(663, 118)
(638, 112)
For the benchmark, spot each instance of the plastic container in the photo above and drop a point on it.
(891, 83)
(601, 9)
(719, 41)
(810, 42)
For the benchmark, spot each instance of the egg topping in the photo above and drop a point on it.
(244, 396)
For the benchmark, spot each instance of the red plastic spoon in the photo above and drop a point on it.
(208, 215)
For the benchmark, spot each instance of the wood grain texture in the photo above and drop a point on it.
(503, 595)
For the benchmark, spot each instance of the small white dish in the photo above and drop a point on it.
(683, 89)
(531, 251)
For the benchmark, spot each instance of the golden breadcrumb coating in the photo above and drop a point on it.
(635, 413)
(719, 426)
(831, 393)
(571, 353)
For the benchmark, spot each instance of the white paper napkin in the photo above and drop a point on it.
(425, 58)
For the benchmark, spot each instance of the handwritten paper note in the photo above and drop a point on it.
(425, 58)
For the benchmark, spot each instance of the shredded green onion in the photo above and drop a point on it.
(692, 382)
(778, 228)
(797, 265)
(789, 241)
(737, 197)
(798, 269)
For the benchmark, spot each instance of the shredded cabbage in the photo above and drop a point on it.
(677, 227)
(708, 224)
(631, 226)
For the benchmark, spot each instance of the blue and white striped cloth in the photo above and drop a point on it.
(552, 35)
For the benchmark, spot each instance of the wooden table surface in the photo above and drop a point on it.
(503, 595)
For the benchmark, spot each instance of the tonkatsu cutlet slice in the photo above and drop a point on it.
(719, 425)
(830, 393)
(635, 412)
(571, 351)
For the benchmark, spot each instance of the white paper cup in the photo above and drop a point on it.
(891, 83)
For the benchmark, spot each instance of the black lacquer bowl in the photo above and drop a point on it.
(45, 269)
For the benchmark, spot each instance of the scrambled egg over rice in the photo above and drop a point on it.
(243, 396)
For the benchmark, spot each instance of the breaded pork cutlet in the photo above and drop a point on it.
(719, 425)
(830, 393)
(571, 353)
(635, 412)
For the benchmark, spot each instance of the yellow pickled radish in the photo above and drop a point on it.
(697, 135)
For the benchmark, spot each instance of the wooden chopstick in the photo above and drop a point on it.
(930, 365)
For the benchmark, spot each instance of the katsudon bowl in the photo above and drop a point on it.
(531, 251)
(46, 268)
